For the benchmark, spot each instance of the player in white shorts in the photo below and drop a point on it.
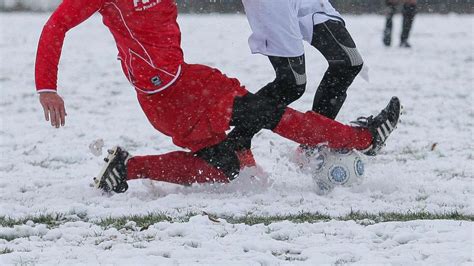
(279, 29)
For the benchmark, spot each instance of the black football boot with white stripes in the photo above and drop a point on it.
(113, 176)
(381, 126)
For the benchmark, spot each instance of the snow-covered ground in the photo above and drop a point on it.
(426, 167)
(202, 241)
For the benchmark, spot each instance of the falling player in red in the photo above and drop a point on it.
(193, 104)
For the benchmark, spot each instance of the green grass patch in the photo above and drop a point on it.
(144, 221)
(352, 216)
(296, 218)
(48, 219)
(403, 217)
(141, 221)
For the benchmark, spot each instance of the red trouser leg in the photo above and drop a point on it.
(312, 129)
(176, 167)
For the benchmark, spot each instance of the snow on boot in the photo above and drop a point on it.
(113, 176)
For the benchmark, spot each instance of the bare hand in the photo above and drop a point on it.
(54, 110)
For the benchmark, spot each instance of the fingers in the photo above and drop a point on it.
(53, 108)
(56, 117)
(46, 113)
(55, 114)
(63, 115)
(59, 117)
(52, 116)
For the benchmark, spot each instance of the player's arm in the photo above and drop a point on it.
(68, 15)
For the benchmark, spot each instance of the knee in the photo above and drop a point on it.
(291, 91)
(355, 70)
(283, 91)
(351, 60)
(299, 91)
(345, 71)
(255, 112)
(290, 82)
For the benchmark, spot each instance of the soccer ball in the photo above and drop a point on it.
(330, 168)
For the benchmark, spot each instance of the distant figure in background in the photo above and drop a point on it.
(408, 12)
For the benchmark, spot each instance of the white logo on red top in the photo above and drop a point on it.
(141, 5)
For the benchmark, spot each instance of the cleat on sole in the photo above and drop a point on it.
(113, 176)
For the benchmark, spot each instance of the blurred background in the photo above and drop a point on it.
(232, 6)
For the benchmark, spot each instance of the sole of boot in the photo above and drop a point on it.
(110, 158)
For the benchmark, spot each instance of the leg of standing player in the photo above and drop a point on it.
(288, 86)
(409, 12)
(332, 39)
(323, 27)
(276, 34)
(319, 24)
(391, 9)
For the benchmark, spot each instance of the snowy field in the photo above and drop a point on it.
(427, 166)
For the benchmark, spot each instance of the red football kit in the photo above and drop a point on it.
(192, 104)
(149, 44)
(147, 36)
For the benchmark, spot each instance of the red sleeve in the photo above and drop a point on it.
(68, 15)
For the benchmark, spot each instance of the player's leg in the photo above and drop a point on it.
(215, 164)
(409, 12)
(391, 9)
(288, 86)
(253, 113)
(276, 34)
(333, 40)
(183, 168)
(290, 81)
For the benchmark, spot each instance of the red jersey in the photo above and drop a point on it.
(146, 32)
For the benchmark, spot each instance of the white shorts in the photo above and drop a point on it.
(280, 26)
